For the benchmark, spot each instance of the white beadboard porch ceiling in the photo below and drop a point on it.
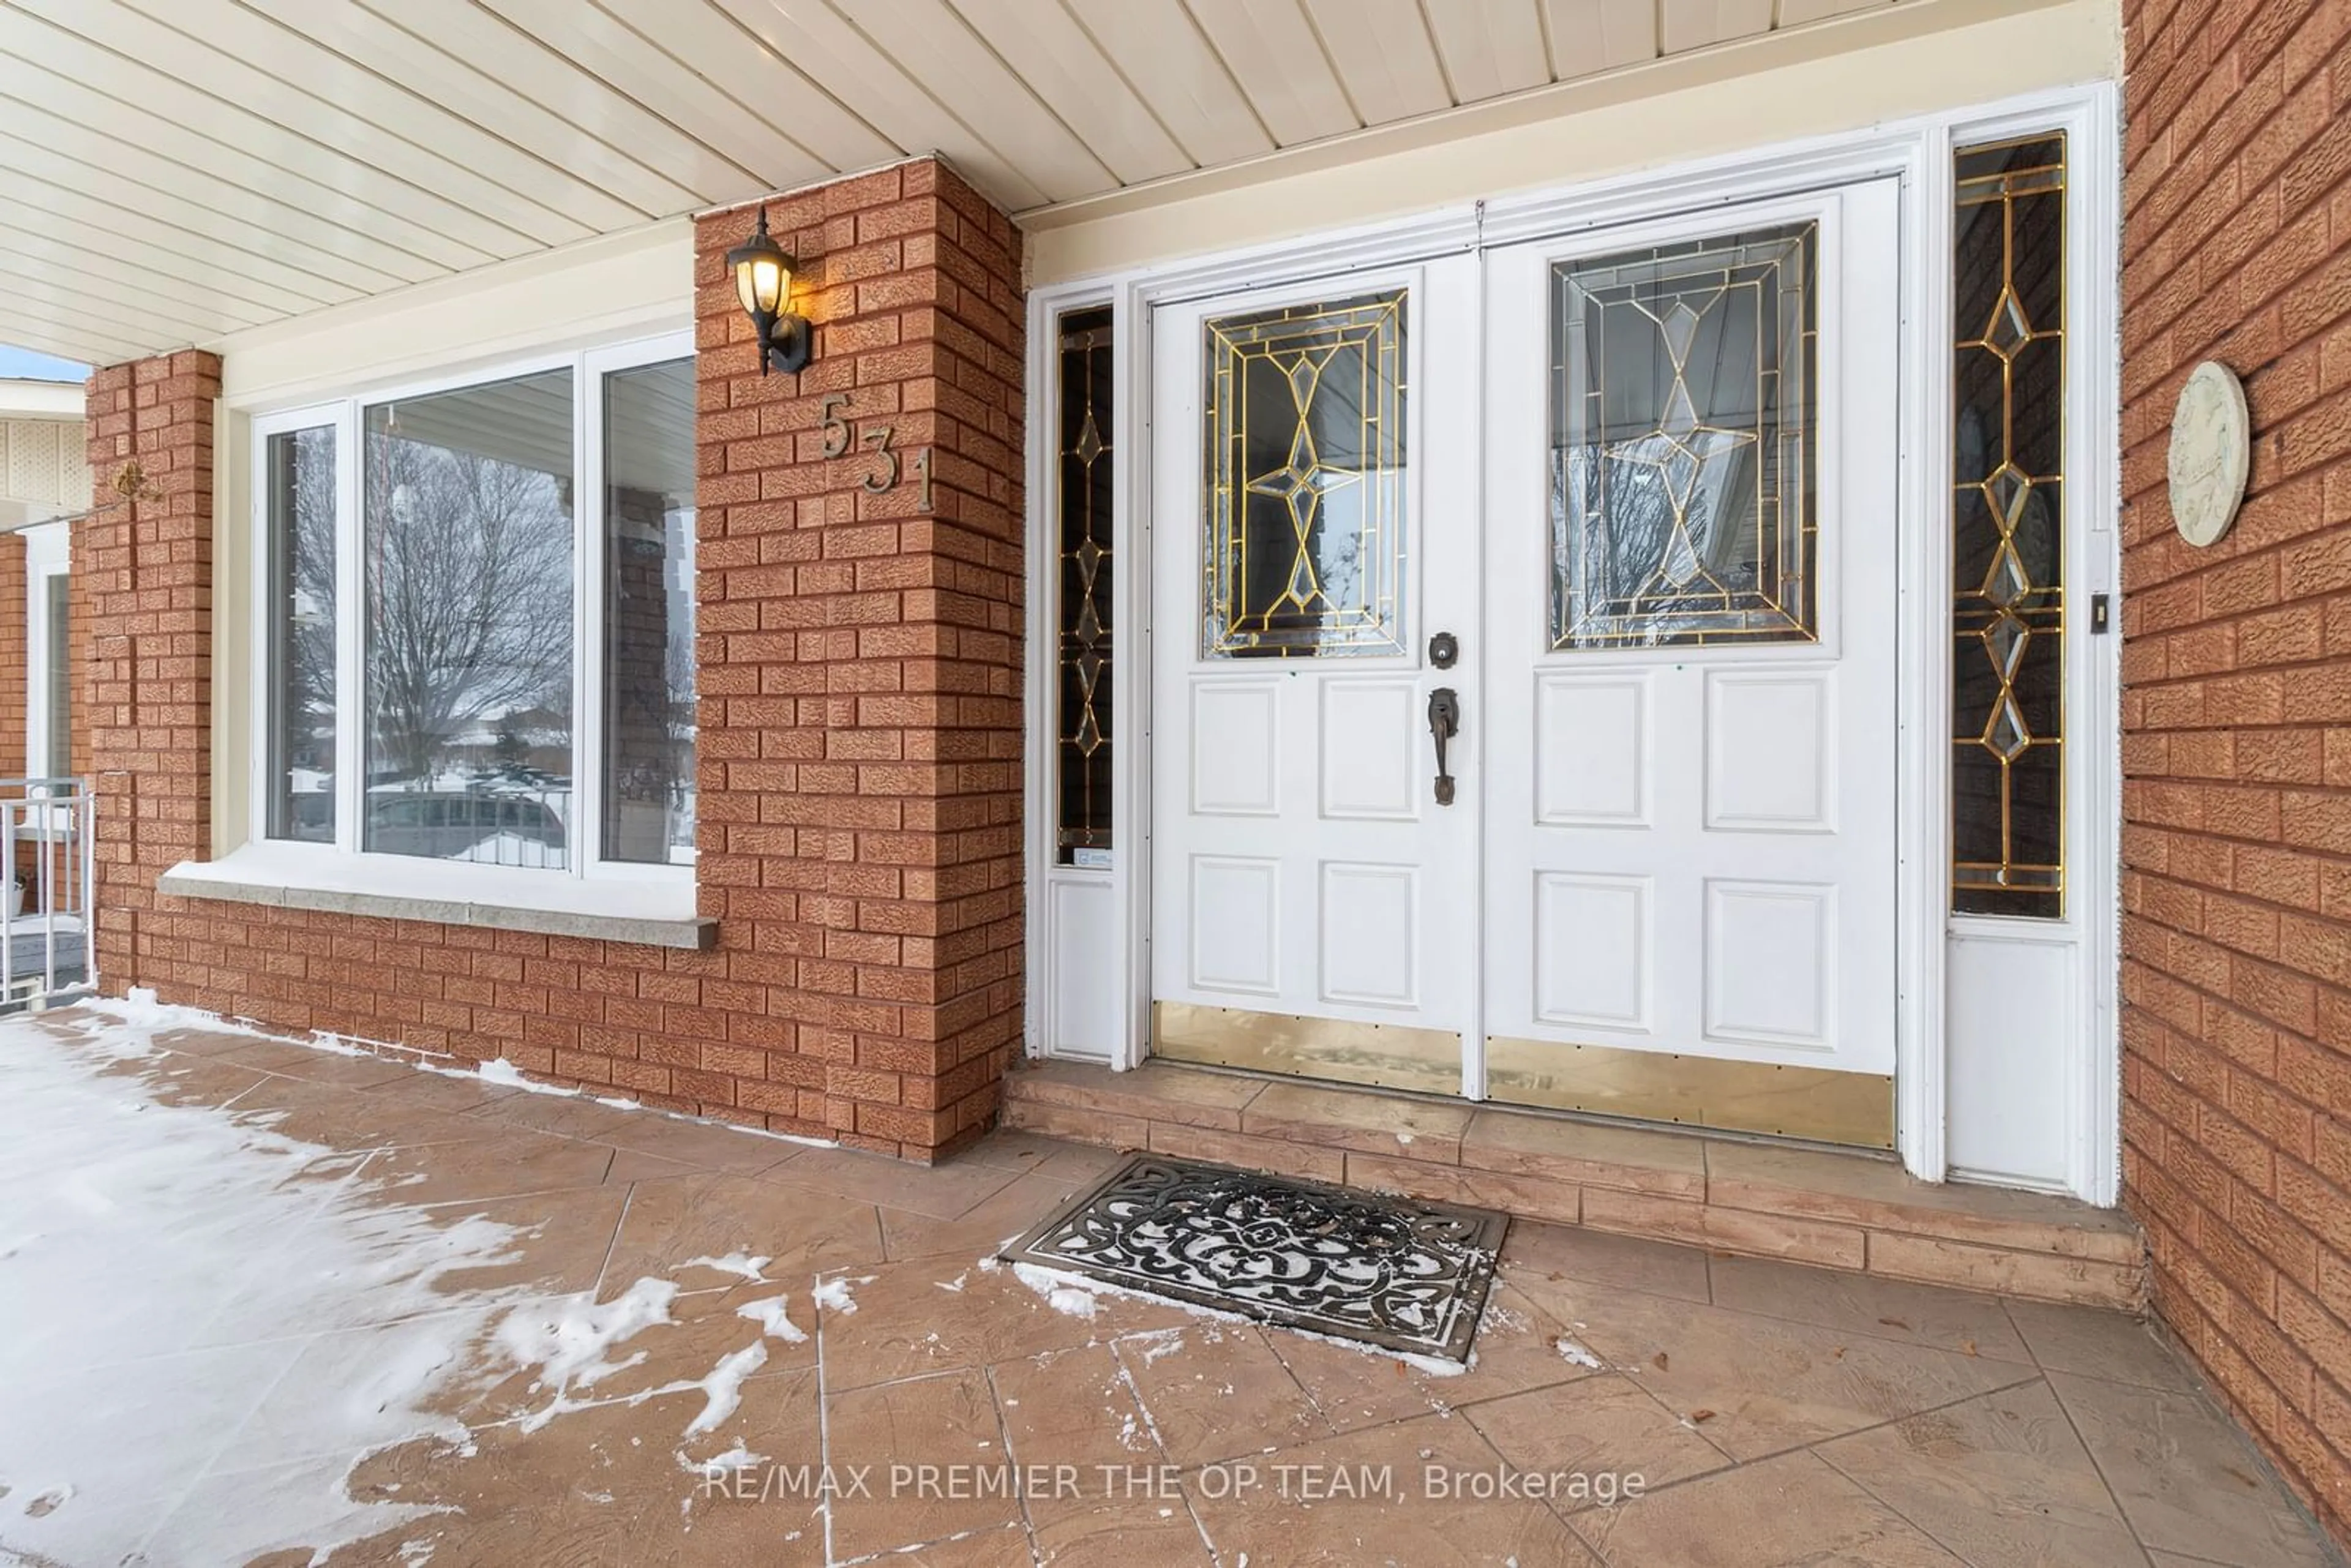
(172, 171)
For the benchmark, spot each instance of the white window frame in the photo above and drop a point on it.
(48, 555)
(344, 863)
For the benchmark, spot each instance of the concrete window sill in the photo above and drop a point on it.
(659, 913)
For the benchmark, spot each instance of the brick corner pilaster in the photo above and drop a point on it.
(140, 614)
(861, 595)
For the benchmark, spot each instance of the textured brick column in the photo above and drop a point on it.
(142, 631)
(15, 655)
(2237, 716)
(860, 771)
(15, 684)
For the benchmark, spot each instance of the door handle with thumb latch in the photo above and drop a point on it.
(1444, 724)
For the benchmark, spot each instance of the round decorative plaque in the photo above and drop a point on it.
(2211, 446)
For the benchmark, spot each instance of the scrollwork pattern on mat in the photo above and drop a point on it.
(1391, 1270)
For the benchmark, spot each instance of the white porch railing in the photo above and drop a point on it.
(50, 886)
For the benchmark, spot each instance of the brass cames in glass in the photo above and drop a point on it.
(1307, 525)
(2007, 610)
(1083, 590)
(1683, 428)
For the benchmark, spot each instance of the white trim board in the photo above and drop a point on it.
(2087, 1066)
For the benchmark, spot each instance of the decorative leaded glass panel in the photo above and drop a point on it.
(1083, 500)
(1682, 438)
(2007, 612)
(1306, 510)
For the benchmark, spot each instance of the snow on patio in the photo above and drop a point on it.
(162, 1257)
(262, 1299)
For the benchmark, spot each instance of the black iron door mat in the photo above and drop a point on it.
(1400, 1274)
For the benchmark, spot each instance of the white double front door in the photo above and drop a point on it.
(1619, 512)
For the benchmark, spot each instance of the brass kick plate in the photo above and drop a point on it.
(1815, 1103)
(1392, 1056)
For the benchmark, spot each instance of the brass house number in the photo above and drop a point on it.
(840, 435)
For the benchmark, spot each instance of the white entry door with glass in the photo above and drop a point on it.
(1524, 673)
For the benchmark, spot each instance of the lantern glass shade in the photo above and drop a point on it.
(761, 282)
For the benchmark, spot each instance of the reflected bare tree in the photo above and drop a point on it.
(310, 669)
(468, 571)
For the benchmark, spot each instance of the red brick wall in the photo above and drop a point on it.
(141, 619)
(15, 657)
(2236, 715)
(859, 742)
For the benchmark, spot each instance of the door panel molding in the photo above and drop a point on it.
(1592, 767)
(1770, 765)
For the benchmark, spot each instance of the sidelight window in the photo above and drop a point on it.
(1083, 600)
(2008, 610)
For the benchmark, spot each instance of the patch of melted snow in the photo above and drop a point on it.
(738, 1457)
(743, 1263)
(568, 1340)
(833, 1295)
(1575, 1354)
(1066, 1293)
(774, 1318)
(722, 1387)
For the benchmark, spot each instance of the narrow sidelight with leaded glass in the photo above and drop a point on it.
(2007, 610)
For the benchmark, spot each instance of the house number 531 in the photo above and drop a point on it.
(840, 435)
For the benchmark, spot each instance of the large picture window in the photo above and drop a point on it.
(467, 526)
(477, 607)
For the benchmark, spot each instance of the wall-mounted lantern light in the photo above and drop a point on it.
(763, 282)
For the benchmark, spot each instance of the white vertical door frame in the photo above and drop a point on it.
(1918, 150)
(1478, 668)
(1922, 634)
(1131, 662)
(2094, 453)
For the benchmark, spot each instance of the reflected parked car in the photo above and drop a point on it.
(502, 830)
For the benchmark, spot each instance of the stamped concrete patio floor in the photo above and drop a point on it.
(573, 1334)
